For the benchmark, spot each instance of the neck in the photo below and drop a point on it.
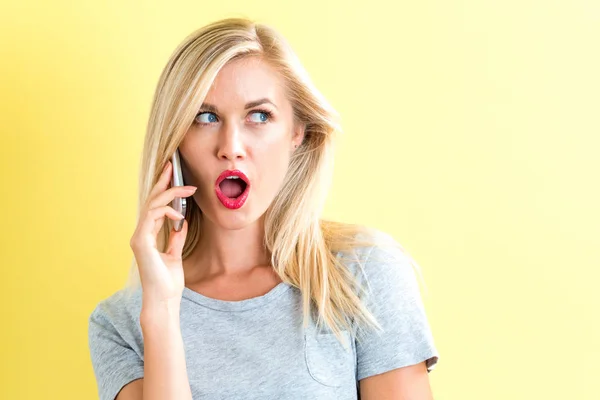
(224, 253)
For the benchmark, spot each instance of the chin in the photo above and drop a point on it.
(234, 223)
(233, 219)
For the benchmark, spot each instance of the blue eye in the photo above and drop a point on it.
(206, 117)
(264, 116)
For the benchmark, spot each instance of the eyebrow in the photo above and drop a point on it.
(212, 108)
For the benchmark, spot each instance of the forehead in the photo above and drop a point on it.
(244, 80)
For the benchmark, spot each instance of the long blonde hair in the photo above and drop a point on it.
(302, 245)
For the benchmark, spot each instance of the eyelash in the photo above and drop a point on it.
(269, 115)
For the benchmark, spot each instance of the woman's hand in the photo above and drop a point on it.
(161, 274)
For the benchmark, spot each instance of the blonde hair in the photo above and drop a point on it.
(303, 246)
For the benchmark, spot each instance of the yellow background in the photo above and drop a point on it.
(471, 135)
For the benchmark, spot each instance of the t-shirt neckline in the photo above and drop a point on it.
(240, 305)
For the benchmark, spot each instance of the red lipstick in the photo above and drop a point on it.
(237, 202)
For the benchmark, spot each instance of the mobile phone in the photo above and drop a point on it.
(178, 203)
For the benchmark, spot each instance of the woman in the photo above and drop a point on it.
(256, 297)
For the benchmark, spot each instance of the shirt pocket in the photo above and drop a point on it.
(328, 362)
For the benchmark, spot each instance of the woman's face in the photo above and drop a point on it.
(245, 124)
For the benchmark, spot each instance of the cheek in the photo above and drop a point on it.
(196, 174)
(198, 161)
(272, 165)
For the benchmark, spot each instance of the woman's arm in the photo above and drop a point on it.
(406, 383)
(165, 372)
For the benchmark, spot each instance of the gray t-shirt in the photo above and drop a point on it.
(257, 348)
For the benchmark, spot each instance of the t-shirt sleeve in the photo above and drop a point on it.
(114, 361)
(393, 296)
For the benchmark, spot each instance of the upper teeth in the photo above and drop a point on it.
(233, 177)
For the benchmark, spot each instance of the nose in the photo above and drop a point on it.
(231, 144)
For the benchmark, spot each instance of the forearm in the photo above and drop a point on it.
(165, 372)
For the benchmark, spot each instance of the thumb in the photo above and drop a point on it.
(177, 240)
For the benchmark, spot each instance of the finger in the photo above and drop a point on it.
(159, 220)
(153, 222)
(163, 181)
(166, 197)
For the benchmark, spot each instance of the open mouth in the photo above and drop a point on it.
(232, 188)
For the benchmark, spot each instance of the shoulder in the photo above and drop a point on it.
(390, 291)
(377, 256)
(120, 310)
(115, 342)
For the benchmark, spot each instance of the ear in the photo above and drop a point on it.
(298, 136)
